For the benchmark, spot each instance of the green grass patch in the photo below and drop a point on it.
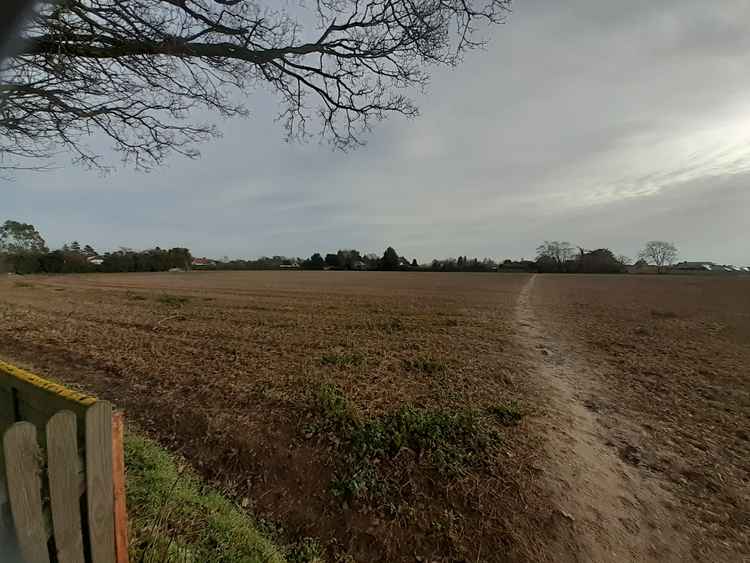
(346, 359)
(333, 407)
(23, 284)
(308, 550)
(176, 518)
(174, 300)
(508, 414)
(449, 441)
(424, 365)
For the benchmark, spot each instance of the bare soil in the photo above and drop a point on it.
(223, 368)
(657, 375)
(633, 445)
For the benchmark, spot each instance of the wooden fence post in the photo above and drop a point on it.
(99, 488)
(62, 469)
(118, 482)
(23, 472)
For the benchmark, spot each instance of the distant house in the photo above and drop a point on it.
(707, 267)
(642, 267)
(202, 263)
(95, 260)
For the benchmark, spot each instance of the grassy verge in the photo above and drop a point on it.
(176, 518)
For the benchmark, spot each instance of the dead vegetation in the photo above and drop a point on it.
(383, 417)
(358, 410)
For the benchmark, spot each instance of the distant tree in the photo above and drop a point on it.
(553, 255)
(315, 262)
(622, 259)
(660, 253)
(332, 260)
(390, 259)
(599, 261)
(75, 246)
(88, 250)
(414, 263)
(53, 262)
(348, 258)
(17, 238)
(177, 257)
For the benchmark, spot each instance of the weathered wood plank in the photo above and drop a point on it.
(24, 490)
(42, 395)
(118, 481)
(62, 469)
(6, 409)
(7, 419)
(99, 488)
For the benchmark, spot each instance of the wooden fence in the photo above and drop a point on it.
(63, 468)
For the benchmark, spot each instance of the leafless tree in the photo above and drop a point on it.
(555, 252)
(135, 70)
(660, 253)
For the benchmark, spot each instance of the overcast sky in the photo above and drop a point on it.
(603, 123)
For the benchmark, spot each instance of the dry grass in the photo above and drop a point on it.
(387, 415)
(227, 368)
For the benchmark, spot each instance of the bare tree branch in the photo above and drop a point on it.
(136, 70)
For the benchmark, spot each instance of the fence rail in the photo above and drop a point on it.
(62, 459)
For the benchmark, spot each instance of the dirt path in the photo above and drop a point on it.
(616, 513)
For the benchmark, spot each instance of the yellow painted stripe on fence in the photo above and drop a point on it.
(45, 384)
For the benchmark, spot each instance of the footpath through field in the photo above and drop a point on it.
(615, 514)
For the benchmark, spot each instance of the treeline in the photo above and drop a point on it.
(391, 260)
(561, 257)
(23, 250)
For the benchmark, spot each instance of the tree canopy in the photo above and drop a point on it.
(135, 70)
(390, 260)
(659, 252)
(553, 255)
(17, 238)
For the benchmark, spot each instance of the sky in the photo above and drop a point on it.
(599, 122)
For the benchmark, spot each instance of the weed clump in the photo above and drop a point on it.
(333, 406)
(447, 441)
(424, 365)
(174, 300)
(347, 359)
(508, 414)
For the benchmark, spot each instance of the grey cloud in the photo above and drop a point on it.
(602, 122)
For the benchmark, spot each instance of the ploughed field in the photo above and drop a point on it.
(395, 416)
(670, 359)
